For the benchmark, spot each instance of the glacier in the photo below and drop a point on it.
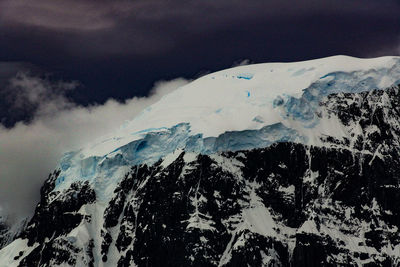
(266, 164)
(240, 108)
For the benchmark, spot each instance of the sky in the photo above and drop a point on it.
(71, 70)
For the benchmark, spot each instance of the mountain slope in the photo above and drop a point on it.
(301, 178)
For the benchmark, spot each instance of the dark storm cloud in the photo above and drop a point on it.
(120, 48)
(92, 28)
(57, 15)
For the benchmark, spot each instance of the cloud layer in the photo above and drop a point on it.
(28, 152)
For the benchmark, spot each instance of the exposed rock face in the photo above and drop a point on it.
(56, 216)
(284, 205)
(4, 230)
(10, 231)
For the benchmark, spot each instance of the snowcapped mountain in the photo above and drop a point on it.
(278, 164)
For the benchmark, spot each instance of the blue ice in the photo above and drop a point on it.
(245, 76)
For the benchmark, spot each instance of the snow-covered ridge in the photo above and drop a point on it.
(263, 103)
(246, 97)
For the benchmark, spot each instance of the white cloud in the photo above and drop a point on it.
(242, 62)
(45, 96)
(28, 152)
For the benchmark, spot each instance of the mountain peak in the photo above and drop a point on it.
(279, 100)
(273, 164)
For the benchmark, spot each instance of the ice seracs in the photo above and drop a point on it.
(245, 97)
(261, 104)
